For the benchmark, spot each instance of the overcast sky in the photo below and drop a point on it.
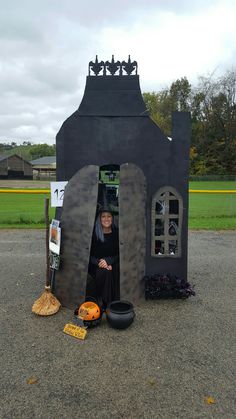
(45, 47)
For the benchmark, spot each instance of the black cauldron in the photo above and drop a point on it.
(120, 314)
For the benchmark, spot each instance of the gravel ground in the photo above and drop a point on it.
(175, 355)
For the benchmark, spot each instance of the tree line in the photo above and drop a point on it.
(213, 113)
(27, 150)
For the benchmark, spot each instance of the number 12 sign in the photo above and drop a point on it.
(57, 193)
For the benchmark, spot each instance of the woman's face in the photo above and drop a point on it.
(106, 219)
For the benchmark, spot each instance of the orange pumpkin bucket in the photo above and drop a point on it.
(90, 313)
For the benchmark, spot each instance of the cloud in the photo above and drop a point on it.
(172, 46)
(45, 47)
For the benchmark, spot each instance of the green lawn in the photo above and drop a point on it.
(206, 211)
(212, 211)
(22, 210)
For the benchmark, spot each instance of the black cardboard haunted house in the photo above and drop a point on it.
(112, 130)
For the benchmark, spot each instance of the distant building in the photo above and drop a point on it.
(15, 167)
(44, 167)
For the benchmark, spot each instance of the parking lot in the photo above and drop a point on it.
(177, 360)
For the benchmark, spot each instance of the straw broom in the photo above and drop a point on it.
(47, 304)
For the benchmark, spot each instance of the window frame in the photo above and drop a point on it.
(166, 194)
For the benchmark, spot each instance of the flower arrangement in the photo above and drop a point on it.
(167, 286)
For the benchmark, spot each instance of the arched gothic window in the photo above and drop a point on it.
(167, 215)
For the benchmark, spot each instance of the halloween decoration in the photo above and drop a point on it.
(90, 314)
(55, 237)
(47, 304)
(167, 286)
(111, 142)
(75, 331)
(120, 314)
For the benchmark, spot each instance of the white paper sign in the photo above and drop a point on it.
(57, 193)
(55, 237)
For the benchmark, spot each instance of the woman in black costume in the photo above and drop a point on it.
(103, 281)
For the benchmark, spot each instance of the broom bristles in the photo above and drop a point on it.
(47, 304)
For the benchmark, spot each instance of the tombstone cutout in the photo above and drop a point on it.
(77, 219)
(112, 127)
(132, 231)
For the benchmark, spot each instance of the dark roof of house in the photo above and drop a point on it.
(112, 96)
(112, 93)
(44, 160)
(5, 157)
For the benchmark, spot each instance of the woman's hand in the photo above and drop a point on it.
(103, 264)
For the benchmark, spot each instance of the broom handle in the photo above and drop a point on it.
(46, 205)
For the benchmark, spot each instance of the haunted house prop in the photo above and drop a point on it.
(112, 129)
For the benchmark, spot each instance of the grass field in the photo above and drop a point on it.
(212, 211)
(22, 210)
(206, 211)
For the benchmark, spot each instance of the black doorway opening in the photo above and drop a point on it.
(108, 188)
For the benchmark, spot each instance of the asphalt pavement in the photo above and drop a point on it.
(177, 360)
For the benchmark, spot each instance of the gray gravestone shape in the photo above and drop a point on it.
(132, 231)
(77, 222)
